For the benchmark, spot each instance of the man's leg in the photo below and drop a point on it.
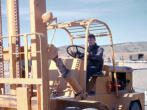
(90, 84)
(89, 74)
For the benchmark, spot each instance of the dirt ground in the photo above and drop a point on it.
(140, 79)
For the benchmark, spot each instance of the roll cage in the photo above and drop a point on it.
(81, 29)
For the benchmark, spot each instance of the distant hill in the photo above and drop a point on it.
(121, 47)
(129, 47)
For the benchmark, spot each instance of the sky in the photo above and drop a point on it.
(127, 19)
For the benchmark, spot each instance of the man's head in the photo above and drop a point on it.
(91, 40)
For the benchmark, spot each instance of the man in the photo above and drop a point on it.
(95, 58)
(95, 61)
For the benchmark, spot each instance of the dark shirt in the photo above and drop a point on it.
(95, 61)
(95, 55)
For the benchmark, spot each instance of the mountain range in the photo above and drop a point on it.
(120, 47)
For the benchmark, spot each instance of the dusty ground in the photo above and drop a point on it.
(140, 79)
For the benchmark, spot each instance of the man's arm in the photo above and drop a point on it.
(97, 56)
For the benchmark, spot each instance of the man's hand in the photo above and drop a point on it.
(73, 54)
(89, 54)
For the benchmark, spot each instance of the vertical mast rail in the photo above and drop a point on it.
(18, 57)
(1, 52)
(37, 8)
(14, 44)
(26, 56)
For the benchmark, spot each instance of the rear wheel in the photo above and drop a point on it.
(135, 106)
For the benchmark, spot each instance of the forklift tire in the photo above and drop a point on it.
(72, 108)
(135, 106)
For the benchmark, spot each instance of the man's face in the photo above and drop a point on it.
(91, 41)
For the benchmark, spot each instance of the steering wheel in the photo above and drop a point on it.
(75, 51)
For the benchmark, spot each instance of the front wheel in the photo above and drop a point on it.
(135, 106)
